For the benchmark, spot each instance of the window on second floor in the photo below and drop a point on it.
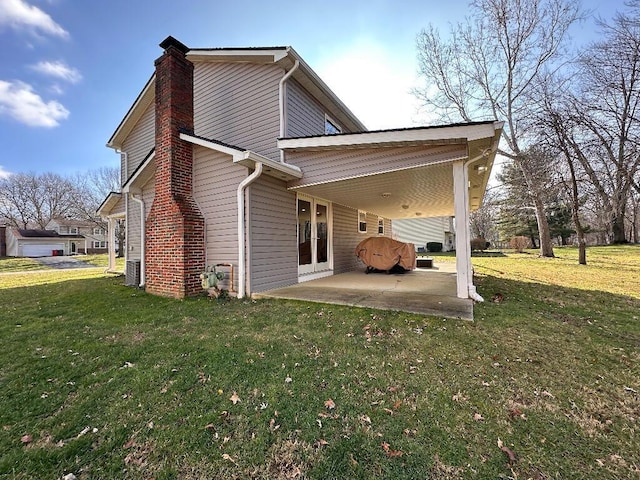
(331, 127)
(98, 231)
(73, 230)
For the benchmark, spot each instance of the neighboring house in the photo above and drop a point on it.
(244, 156)
(94, 232)
(41, 243)
(421, 231)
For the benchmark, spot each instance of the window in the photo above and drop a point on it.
(73, 230)
(98, 231)
(331, 126)
(380, 226)
(362, 221)
(101, 244)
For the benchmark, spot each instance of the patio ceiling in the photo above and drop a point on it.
(396, 179)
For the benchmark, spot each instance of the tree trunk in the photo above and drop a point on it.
(546, 246)
(575, 213)
(617, 229)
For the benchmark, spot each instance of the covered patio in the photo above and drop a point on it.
(423, 291)
(405, 173)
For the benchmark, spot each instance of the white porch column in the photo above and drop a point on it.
(464, 275)
(111, 243)
(465, 286)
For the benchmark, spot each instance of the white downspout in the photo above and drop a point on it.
(281, 101)
(242, 240)
(473, 293)
(140, 202)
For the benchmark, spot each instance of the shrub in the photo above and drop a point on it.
(519, 243)
(479, 244)
(434, 246)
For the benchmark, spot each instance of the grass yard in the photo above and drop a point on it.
(105, 381)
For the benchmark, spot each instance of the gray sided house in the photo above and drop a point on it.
(244, 157)
(421, 231)
(41, 243)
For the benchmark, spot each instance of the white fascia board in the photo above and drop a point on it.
(237, 55)
(249, 158)
(246, 158)
(128, 187)
(210, 145)
(427, 134)
(133, 115)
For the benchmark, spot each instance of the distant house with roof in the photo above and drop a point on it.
(93, 231)
(421, 231)
(41, 243)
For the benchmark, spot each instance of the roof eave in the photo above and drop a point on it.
(141, 103)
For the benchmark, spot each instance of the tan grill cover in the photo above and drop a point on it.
(384, 253)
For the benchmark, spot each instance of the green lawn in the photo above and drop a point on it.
(105, 381)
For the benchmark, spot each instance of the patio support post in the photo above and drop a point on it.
(111, 244)
(461, 210)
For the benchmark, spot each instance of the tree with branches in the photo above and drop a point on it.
(491, 67)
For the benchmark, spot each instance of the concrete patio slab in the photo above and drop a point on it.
(423, 291)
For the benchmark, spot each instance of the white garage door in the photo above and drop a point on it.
(42, 250)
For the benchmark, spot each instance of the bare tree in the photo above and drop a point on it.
(593, 117)
(93, 188)
(30, 200)
(491, 67)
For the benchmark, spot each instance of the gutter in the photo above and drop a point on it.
(242, 234)
(140, 202)
(281, 102)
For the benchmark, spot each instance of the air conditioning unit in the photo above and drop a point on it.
(132, 273)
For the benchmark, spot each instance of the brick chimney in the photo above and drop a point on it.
(174, 253)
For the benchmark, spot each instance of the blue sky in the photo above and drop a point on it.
(70, 69)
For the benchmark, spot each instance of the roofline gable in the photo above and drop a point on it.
(285, 57)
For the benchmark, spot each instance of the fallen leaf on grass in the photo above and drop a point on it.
(131, 443)
(235, 398)
(228, 457)
(330, 404)
(397, 404)
(26, 439)
(390, 453)
(507, 451)
(478, 417)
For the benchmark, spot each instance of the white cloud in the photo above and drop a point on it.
(58, 70)
(374, 83)
(18, 14)
(20, 102)
(4, 173)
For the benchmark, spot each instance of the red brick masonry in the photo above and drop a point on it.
(174, 255)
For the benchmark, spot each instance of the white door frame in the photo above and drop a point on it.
(316, 269)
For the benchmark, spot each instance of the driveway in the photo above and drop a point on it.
(64, 262)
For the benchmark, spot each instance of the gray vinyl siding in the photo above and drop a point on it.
(237, 103)
(346, 237)
(272, 232)
(135, 233)
(304, 115)
(139, 142)
(330, 165)
(215, 183)
(134, 236)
